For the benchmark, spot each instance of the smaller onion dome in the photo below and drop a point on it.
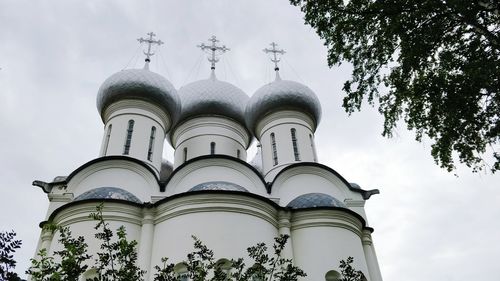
(108, 193)
(218, 185)
(165, 170)
(139, 84)
(257, 160)
(212, 97)
(313, 200)
(282, 95)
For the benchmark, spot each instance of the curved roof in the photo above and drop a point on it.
(140, 84)
(313, 200)
(218, 185)
(212, 97)
(280, 95)
(108, 193)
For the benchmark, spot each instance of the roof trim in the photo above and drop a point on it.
(47, 187)
(365, 193)
(190, 117)
(185, 194)
(214, 156)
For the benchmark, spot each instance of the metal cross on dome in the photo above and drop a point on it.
(149, 41)
(275, 51)
(213, 50)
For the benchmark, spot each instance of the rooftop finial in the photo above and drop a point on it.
(275, 58)
(149, 41)
(213, 50)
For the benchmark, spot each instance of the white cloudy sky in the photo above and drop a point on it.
(429, 224)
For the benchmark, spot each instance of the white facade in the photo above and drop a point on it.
(211, 191)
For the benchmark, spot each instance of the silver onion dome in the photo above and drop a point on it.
(314, 200)
(165, 170)
(108, 193)
(282, 95)
(139, 84)
(212, 97)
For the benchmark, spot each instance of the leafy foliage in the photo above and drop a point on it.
(118, 259)
(348, 272)
(437, 60)
(8, 245)
(201, 265)
(71, 260)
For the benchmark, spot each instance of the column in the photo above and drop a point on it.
(146, 243)
(284, 229)
(370, 255)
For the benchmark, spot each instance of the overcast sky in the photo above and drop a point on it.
(54, 55)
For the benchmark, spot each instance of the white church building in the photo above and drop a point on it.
(210, 188)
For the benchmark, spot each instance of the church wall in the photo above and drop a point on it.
(215, 169)
(320, 239)
(299, 184)
(207, 216)
(76, 217)
(126, 175)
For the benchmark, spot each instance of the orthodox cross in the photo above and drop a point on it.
(275, 51)
(149, 41)
(213, 50)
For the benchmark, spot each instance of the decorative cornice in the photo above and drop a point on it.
(210, 201)
(213, 121)
(199, 202)
(55, 197)
(319, 217)
(137, 104)
(113, 210)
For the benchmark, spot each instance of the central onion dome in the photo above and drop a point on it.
(139, 84)
(282, 95)
(212, 97)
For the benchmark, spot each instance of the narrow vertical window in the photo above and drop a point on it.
(273, 147)
(315, 158)
(185, 157)
(294, 144)
(212, 148)
(106, 139)
(238, 153)
(151, 143)
(128, 140)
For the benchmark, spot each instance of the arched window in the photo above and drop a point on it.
(315, 158)
(225, 266)
(238, 153)
(182, 271)
(212, 148)
(273, 147)
(185, 156)
(294, 144)
(151, 143)
(106, 139)
(128, 140)
(333, 275)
